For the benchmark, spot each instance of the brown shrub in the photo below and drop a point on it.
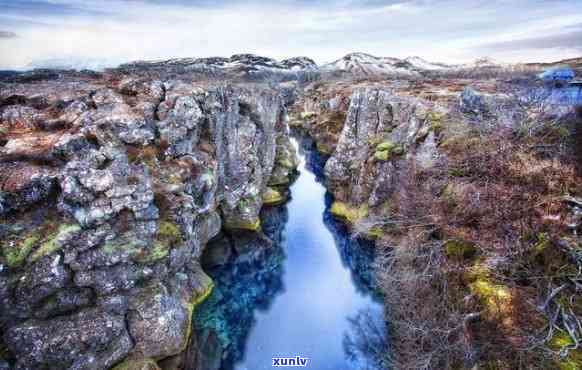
(502, 193)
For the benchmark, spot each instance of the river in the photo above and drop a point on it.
(301, 288)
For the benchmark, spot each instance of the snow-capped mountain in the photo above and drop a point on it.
(485, 62)
(369, 65)
(366, 64)
(423, 64)
(258, 67)
(238, 63)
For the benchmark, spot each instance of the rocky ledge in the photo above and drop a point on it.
(110, 189)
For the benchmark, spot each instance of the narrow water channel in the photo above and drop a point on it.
(302, 287)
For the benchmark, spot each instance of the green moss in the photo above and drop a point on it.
(435, 121)
(197, 298)
(174, 179)
(16, 254)
(560, 340)
(323, 149)
(169, 230)
(374, 233)
(200, 297)
(459, 249)
(137, 364)
(279, 181)
(168, 235)
(308, 115)
(348, 213)
(573, 361)
(571, 364)
(386, 150)
(457, 172)
(286, 163)
(272, 197)
(398, 150)
(541, 244)
(157, 251)
(385, 146)
(243, 225)
(52, 243)
(382, 156)
(495, 298)
(485, 288)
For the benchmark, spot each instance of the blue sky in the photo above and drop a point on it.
(113, 31)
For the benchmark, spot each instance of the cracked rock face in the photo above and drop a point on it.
(380, 128)
(110, 189)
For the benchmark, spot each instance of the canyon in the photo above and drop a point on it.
(131, 197)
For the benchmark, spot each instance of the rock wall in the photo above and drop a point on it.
(382, 133)
(110, 190)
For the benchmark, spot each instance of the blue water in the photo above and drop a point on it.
(300, 288)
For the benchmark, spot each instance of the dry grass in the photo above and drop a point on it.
(501, 192)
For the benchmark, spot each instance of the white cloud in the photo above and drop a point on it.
(450, 30)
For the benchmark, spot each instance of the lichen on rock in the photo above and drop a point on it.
(137, 364)
(273, 197)
(138, 174)
(348, 213)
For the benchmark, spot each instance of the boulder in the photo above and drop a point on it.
(23, 184)
(89, 339)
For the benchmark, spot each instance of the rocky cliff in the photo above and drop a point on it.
(461, 183)
(110, 190)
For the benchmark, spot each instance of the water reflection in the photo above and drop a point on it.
(247, 269)
(365, 343)
(299, 288)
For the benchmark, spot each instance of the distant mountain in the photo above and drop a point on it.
(71, 63)
(423, 64)
(370, 65)
(255, 67)
(485, 62)
(248, 64)
(366, 64)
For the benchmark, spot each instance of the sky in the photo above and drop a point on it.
(108, 32)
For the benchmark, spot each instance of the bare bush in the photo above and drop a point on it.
(427, 324)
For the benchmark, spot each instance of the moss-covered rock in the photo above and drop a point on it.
(387, 150)
(435, 121)
(206, 285)
(54, 241)
(243, 225)
(573, 360)
(459, 249)
(16, 252)
(374, 233)
(347, 213)
(323, 148)
(279, 180)
(308, 115)
(385, 146)
(137, 364)
(497, 299)
(382, 156)
(169, 231)
(167, 237)
(272, 197)
(286, 163)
